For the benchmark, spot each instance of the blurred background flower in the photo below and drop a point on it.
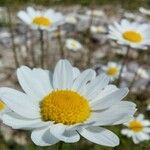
(138, 129)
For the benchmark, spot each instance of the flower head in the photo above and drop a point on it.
(98, 29)
(71, 19)
(96, 13)
(112, 70)
(134, 34)
(144, 11)
(44, 20)
(138, 129)
(66, 104)
(148, 107)
(142, 73)
(73, 45)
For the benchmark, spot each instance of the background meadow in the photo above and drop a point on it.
(20, 45)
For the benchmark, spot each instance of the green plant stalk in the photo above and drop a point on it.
(12, 38)
(42, 47)
(89, 44)
(60, 145)
(31, 49)
(123, 65)
(61, 47)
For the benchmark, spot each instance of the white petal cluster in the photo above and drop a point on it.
(141, 135)
(117, 30)
(73, 45)
(105, 101)
(53, 17)
(109, 68)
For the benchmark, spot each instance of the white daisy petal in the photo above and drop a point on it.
(110, 99)
(94, 87)
(127, 132)
(135, 139)
(19, 103)
(35, 83)
(76, 72)
(140, 117)
(31, 12)
(146, 130)
(59, 131)
(124, 113)
(44, 76)
(23, 16)
(82, 80)
(100, 136)
(106, 91)
(143, 136)
(18, 122)
(63, 75)
(43, 137)
(146, 123)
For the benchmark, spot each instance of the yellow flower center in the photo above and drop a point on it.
(65, 106)
(42, 21)
(133, 36)
(73, 44)
(136, 126)
(2, 105)
(112, 71)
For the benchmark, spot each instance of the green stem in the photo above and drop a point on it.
(61, 48)
(133, 80)
(60, 145)
(89, 36)
(42, 47)
(26, 45)
(32, 53)
(123, 65)
(116, 148)
(47, 45)
(88, 41)
(12, 38)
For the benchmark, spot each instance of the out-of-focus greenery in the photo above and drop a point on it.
(129, 4)
(126, 144)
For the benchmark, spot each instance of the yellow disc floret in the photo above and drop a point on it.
(65, 106)
(73, 44)
(133, 36)
(112, 71)
(2, 105)
(42, 21)
(136, 126)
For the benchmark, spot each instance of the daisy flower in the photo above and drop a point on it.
(98, 29)
(112, 69)
(144, 11)
(73, 45)
(133, 34)
(44, 20)
(138, 129)
(96, 13)
(3, 109)
(148, 107)
(71, 19)
(130, 15)
(142, 73)
(66, 104)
